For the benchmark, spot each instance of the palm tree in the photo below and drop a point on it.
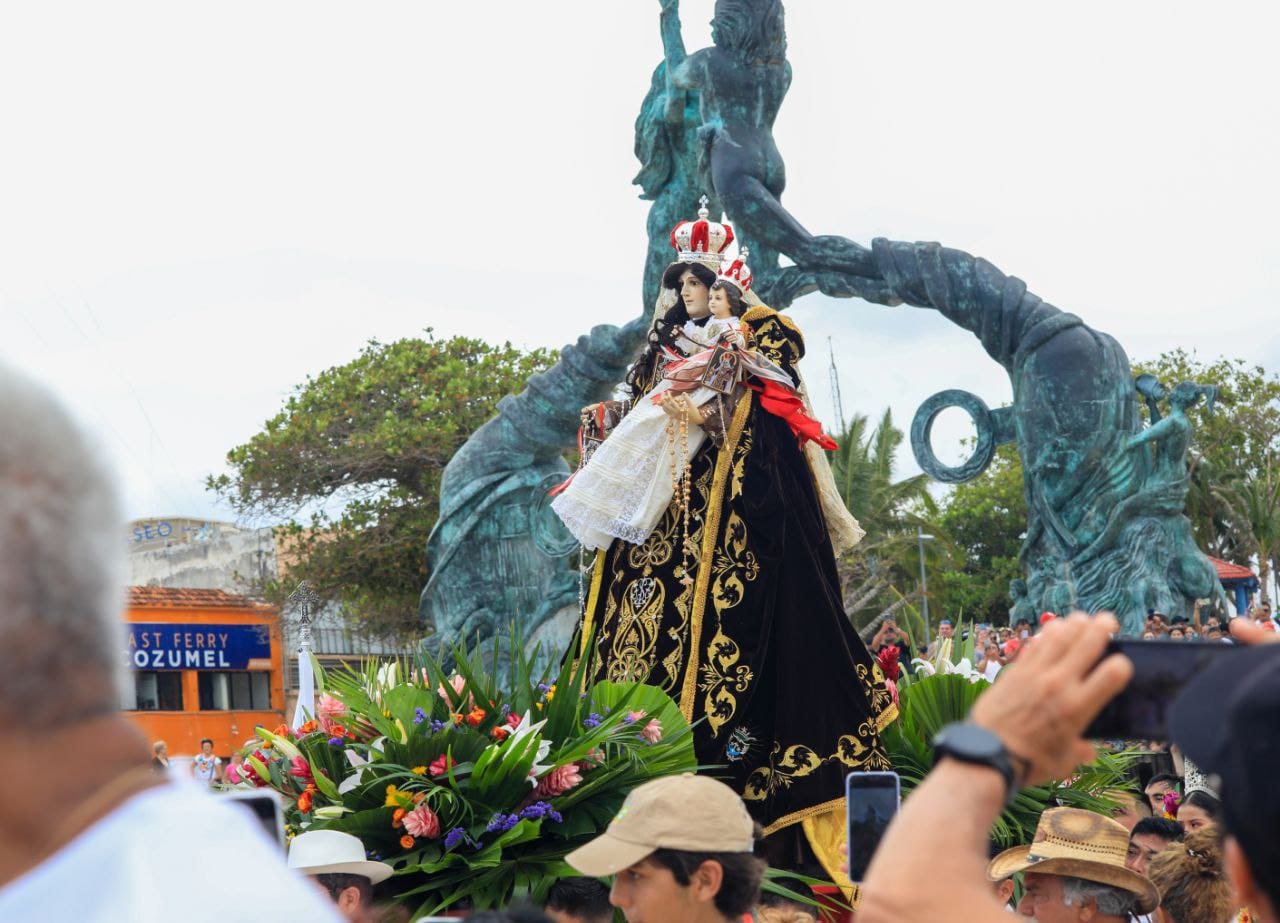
(1253, 508)
(878, 574)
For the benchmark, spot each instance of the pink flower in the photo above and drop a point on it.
(558, 781)
(441, 765)
(299, 769)
(422, 823)
(458, 684)
(635, 715)
(652, 731)
(893, 690)
(329, 707)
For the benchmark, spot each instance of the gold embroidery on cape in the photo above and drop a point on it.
(711, 526)
(636, 636)
(796, 762)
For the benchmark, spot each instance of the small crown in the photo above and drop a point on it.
(736, 272)
(701, 241)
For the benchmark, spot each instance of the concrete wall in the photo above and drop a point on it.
(195, 554)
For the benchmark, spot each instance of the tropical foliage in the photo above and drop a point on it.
(881, 573)
(353, 464)
(473, 792)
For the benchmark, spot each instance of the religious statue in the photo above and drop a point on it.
(715, 574)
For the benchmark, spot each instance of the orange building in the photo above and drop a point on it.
(205, 663)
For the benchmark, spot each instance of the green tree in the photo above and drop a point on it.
(881, 572)
(353, 464)
(986, 518)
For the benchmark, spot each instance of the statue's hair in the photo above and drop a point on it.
(61, 564)
(653, 146)
(665, 327)
(753, 30)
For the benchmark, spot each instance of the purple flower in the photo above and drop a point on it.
(436, 726)
(419, 716)
(628, 719)
(455, 836)
(539, 810)
(592, 720)
(543, 688)
(335, 741)
(503, 822)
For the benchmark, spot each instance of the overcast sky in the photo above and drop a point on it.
(202, 204)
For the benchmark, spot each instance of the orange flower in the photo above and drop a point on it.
(282, 730)
(397, 818)
(476, 716)
(501, 732)
(304, 802)
(457, 719)
(407, 841)
(337, 730)
(308, 727)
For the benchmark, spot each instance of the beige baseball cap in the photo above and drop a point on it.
(686, 812)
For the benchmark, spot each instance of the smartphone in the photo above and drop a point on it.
(871, 801)
(1160, 670)
(265, 807)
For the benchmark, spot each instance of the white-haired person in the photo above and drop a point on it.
(106, 838)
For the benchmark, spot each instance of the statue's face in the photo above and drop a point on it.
(694, 293)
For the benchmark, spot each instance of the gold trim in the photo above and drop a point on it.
(592, 598)
(710, 530)
(886, 717)
(761, 312)
(795, 816)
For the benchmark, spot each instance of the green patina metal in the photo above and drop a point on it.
(1106, 497)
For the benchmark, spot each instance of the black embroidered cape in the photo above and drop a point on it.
(758, 649)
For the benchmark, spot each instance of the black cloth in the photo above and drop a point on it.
(758, 650)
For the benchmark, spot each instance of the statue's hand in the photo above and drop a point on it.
(679, 407)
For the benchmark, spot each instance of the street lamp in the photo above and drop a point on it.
(921, 538)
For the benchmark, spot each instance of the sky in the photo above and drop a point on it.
(200, 205)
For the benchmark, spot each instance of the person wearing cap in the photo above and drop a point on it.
(1226, 721)
(1074, 869)
(337, 863)
(680, 850)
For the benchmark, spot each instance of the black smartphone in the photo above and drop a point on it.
(265, 807)
(871, 801)
(1160, 670)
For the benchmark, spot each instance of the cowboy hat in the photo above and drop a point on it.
(1076, 843)
(322, 852)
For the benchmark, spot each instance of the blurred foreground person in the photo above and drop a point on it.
(1026, 729)
(104, 839)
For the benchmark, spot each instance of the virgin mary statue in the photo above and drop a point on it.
(728, 599)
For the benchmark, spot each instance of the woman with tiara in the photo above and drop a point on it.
(729, 600)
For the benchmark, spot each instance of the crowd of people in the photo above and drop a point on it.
(90, 830)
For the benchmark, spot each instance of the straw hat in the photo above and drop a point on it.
(1078, 844)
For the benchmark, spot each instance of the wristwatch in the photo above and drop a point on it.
(977, 746)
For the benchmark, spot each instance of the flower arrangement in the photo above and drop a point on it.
(474, 793)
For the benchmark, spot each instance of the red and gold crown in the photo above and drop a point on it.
(736, 272)
(701, 241)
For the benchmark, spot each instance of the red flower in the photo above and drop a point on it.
(476, 717)
(888, 658)
(513, 721)
(441, 765)
(299, 769)
(304, 801)
(500, 732)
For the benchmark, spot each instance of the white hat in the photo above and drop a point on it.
(320, 852)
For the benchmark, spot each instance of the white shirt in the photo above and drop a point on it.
(991, 670)
(171, 852)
